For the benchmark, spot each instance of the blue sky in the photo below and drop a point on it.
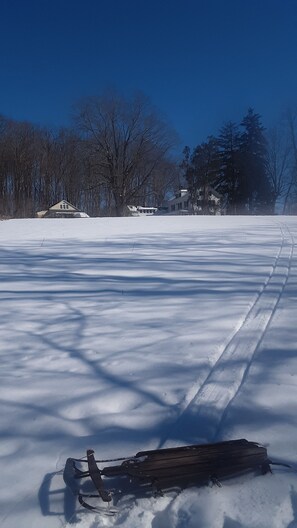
(201, 62)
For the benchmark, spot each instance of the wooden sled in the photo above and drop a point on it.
(163, 469)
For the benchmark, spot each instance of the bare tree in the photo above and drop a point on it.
(3, 163)
(19, 168)
(60, 171)
(279, 163)
(290, 195)
(126, 142)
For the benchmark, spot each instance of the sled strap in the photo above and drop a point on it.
(95, 475)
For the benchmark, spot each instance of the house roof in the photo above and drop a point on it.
(63, 205)
(187, 194)
(62, 209)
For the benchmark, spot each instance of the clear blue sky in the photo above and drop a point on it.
(201, 62)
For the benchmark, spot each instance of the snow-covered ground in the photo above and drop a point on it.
(123, 335)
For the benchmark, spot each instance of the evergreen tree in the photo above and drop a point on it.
(202, 172)
(230, 184)
(255, 185)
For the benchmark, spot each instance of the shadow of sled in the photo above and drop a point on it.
(51, 499)
(156, 471)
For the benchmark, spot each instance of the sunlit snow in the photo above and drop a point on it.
(123, 335)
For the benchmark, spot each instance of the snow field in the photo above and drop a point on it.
(129, 334)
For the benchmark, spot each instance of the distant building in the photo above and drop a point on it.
(179, 204)
(62, 209)
(139, 210)
(206, 199)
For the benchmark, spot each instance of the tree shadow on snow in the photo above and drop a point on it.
(58, 276)
(231, 523)
(293, 523)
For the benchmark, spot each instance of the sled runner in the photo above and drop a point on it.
(163, 469)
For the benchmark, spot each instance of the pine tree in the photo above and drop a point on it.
(230, 184)
(202, 172)
(256, 189)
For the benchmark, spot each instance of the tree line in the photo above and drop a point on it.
(255, 171)
(118, 151)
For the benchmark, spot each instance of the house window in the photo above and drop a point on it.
(173, 207)
(186, 204)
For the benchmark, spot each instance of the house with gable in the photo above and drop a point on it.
(62, 209)
(207, 198)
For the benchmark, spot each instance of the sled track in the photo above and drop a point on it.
(211, 400)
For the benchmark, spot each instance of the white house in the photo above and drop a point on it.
(179, 204)
(139, 210)
(62, 209)
(182, 204)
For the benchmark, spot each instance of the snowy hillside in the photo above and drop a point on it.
(123, 335)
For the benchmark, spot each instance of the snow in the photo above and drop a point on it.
(123, 335)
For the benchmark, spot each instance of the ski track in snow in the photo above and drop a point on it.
(206, 405)
(210, 403)
(211, 400)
